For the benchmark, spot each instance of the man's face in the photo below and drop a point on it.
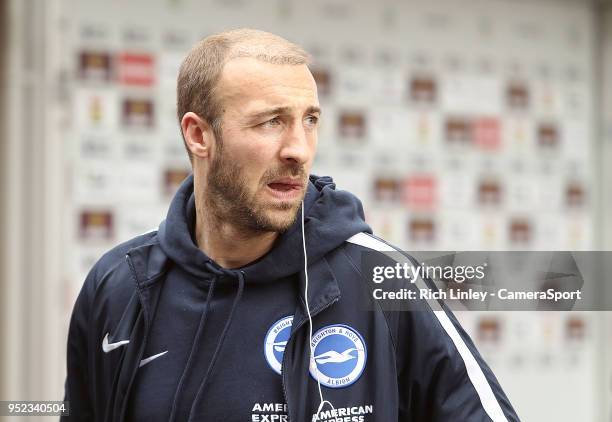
(259, 169)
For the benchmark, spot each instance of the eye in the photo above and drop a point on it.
(312, 120)
(271, 123)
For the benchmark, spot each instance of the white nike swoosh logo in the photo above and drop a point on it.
(150, 358)
(107, 347)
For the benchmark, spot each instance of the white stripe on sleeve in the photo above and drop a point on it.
(474, 371)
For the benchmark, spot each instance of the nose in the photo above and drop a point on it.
(297, 144)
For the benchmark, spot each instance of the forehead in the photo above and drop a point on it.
(249, 84)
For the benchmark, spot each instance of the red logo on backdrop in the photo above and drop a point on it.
(136, 69)
(420, 192)
(487, 133)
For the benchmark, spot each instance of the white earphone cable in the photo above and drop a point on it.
(311, 362)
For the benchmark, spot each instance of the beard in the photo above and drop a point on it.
(229, 198)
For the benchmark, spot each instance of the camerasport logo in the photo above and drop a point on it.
(275, 342)
(339, 356)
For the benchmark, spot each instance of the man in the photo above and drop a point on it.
(206, 318)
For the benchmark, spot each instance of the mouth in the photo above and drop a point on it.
(285, 188)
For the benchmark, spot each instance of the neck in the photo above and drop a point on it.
(228, 245)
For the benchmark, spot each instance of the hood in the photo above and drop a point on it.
(331, 216)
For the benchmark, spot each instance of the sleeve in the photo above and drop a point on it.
(442, 376)
(77, 385)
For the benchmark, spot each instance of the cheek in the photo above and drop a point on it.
(313, 143)
(254, 162)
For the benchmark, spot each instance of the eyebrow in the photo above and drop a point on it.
(282, 110)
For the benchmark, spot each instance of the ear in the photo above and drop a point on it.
(198, 134)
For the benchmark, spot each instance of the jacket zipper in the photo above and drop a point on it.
(312, 314)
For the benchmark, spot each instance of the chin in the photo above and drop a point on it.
(282, 221)
(278, 220)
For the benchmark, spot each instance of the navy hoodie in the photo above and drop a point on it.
(212, 322)
(159, 332)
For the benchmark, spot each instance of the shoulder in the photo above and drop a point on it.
(111, 275)
(366, 248)
(108, 286)
(370, 256)
(114, 258)
(371, 242)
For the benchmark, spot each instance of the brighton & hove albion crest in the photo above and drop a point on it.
(339, 356)
(275, 342)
